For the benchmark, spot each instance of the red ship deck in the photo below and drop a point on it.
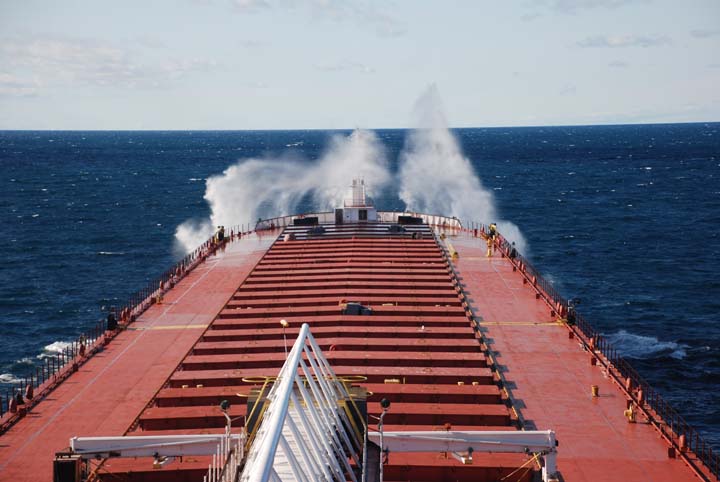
(418, 348)
(550, 376)
(109, 391)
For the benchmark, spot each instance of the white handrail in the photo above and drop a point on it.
(383, 217)
(303, 434)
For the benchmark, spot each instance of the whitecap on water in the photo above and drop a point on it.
(637, 346)
(54, 348)
(9, 378)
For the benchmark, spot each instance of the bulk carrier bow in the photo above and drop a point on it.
(349, 345)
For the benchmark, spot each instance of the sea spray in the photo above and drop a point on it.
(436, 177)
(267, 187)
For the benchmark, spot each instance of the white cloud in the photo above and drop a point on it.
(568, 89)
(529, 17)
(575, 6)
(346, 66)
(13, 86)
(360, 12)
(368, 16)
(250, 6)
(150, 42)
(257, 84)
(78, 61)
(705, 33)
(621, 41)
(253, 44)
(618, 64)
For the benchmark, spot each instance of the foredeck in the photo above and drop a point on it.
(417, 348)
(500, 362)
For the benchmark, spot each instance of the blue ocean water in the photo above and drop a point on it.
(626, 218)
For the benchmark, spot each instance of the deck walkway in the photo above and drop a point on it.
(550, 376)
(109, 391)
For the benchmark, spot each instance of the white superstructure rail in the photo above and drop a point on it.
(462, 444)
(305, 434)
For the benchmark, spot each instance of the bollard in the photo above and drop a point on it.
(682, 443)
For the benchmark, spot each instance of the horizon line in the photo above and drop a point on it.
(367, 128)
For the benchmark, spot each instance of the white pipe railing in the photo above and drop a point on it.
(305, 420)
(383, 217)
(227, 458)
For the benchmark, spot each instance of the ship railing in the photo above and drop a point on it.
(679, 433)
(328, 217)
(55, 367)
(52, 369)
(226, 461)
(153, 291)
(324, 217)
(306, 420)
(430, 219)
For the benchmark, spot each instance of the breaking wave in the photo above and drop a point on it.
(643, 347)
(434, 176)
(9, 378)
(254, 188)
(53, 349)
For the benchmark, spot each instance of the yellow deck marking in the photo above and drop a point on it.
(521, 323)
(167, 327)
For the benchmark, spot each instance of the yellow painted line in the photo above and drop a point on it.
(168, 327)
(521, 323)
(453, 252)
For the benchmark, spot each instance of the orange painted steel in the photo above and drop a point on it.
(340, 343)
(429, 347)
(418, 335)
(111, 389)
(552, 376)
(253, 333)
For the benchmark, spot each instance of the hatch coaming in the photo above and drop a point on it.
(404, 279)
